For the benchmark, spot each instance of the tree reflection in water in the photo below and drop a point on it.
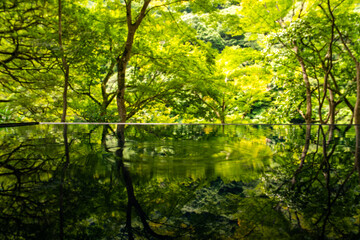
(357, 150)
(322, 197)
(183, 182)
(132, 201)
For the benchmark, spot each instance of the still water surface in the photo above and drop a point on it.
(179, 181)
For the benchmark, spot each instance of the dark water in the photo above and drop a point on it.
(180, 181)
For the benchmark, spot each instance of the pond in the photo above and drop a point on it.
(179, 181)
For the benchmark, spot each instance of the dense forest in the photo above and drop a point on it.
(220, 61)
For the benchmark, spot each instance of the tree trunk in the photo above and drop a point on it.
(65, 94)
(357, 104)
(321, 102)
(307, 85)
(357, 66)
(223, 109)
(123, 60)
(105, 95)
(327, 66)
(65, 66)
(222, 119)
(332, 107)
(120, 97)
(103, 110)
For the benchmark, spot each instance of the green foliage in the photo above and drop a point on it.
(8, 115)
(191, 61)
(311, 31)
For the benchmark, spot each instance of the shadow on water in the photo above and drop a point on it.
(182, 182)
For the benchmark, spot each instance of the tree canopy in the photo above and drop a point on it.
(180, 61)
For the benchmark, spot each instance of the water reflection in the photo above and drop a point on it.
(183, 182)
(322, 195)
(357, 149)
